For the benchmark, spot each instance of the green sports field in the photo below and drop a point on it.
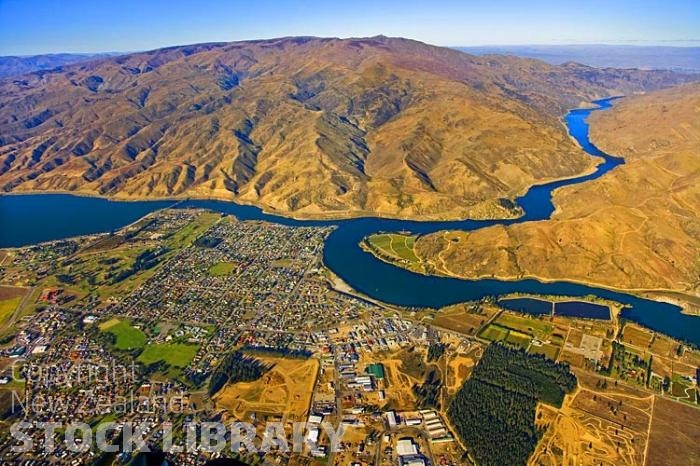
(549, 351)
(221, 269)
(10, 298)
(518, 339)
(7, 307)
(127, 337)
(173, 354)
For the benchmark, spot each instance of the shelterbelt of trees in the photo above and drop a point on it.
(236, 367)
(494, 411)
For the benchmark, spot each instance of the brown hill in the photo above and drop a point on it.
(304, 126)
(636, 227)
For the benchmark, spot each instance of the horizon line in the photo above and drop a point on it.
(686, 43)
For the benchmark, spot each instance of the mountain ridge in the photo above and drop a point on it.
(635, 228)
(304, 126)
(17, 65)
(678, 58)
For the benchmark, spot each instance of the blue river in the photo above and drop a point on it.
(32, 218)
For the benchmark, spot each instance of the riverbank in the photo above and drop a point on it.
(690, 304)
(634, 229)
(59, 216)
(483, 210)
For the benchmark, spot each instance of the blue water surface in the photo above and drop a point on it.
(527, 305)
(29, 219)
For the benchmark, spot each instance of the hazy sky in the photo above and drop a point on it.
(42, 26)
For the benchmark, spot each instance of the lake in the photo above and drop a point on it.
(582, 309)
(32, 218)
(527, 305)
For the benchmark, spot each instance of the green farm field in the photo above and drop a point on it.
(494, 333)
(10, 298)
(530, 325)
(395, 245)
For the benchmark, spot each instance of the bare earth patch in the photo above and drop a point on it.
(674, 434)
(283, 391)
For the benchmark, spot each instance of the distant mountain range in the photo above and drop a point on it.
(305, 126)
(15, 66)
(603, 56)
(600, 56)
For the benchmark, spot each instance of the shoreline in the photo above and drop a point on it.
(322, 216)
(509, 278)
(350, 215)
(358, 214)
(327, 216)
(360, 279)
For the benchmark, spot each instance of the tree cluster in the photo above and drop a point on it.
(207, 241)
(236, 367)
(435, 350)
(281, 351)
(494, 411)
(428, 393)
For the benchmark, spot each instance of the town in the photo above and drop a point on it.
(189, 316)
